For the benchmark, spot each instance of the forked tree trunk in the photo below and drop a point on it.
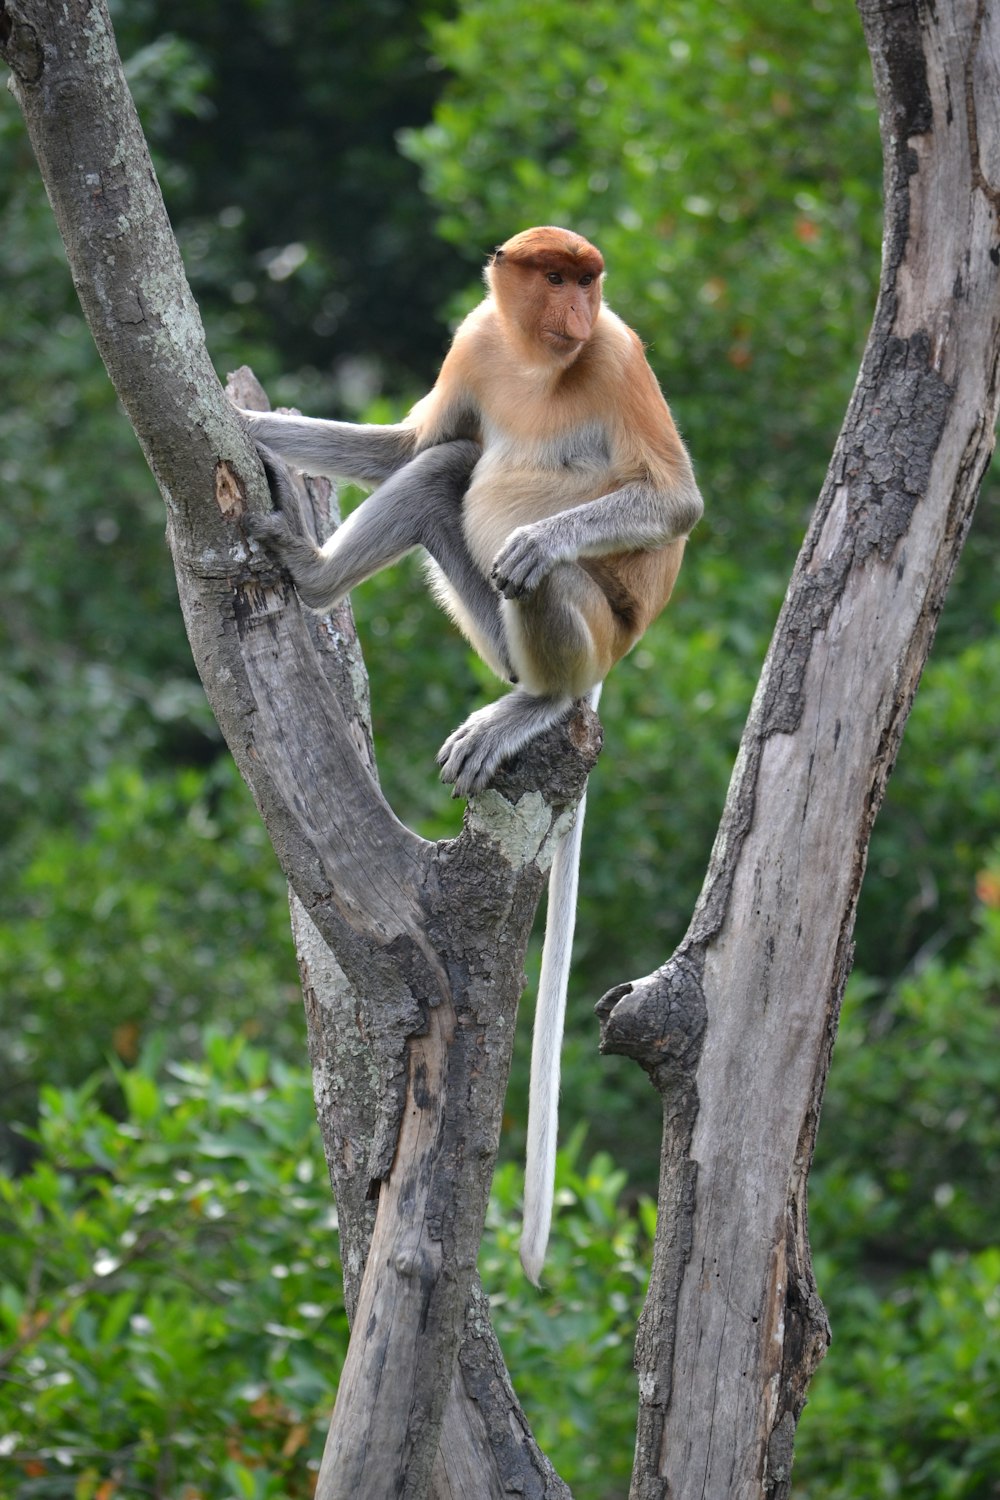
(411, 953)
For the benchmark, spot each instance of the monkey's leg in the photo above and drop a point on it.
(419, 506)
(563, 640)
(456, 580)
(384, 527)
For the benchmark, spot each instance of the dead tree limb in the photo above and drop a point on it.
(737, 1028)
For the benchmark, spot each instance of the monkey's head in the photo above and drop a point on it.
(547, 283)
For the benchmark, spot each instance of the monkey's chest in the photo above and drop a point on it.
(517, 481)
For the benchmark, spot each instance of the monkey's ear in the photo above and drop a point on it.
(497, 254)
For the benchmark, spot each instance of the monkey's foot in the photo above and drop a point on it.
(315, 582)
(470, 756)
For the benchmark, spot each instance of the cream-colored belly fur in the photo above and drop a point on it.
(502, 497)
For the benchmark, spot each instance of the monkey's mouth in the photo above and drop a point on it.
(564, 343)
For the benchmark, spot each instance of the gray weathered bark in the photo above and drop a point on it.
(411, 953)
(736, 1029)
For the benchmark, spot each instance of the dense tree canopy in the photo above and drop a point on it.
(725, 157)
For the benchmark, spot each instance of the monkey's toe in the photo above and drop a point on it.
(466, 760)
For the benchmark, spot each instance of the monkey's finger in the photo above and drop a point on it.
(507, 588)
(459, 763)
(521, 567)
(449, 757)
(515, 589)
(279, 478)
(511, 578)
(470, 778)
(470, 765)
(271, 527)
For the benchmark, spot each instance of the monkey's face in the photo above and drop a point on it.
(553, 306)
(548, 282)
(570, 303)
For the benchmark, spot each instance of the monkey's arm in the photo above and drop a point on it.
(341, 450)
(640, 517)
(368, 452)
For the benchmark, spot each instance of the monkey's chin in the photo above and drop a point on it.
(563, 346)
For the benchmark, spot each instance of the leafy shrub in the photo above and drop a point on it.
(160, 905)
(171, 1318)
(569, 1348)
(908, 1153)
(941, 813)
(908, 1400)
(171, 1314)
(170, 1298)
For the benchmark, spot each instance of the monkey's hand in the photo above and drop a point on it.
(526, 558)
(284, 526)
(283, 532)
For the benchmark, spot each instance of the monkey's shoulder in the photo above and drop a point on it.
(604, 412)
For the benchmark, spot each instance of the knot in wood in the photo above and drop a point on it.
(412, 1262)
(658, 1020)
(20, 47)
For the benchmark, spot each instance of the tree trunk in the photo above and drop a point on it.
(411, 953)
(737, 1028)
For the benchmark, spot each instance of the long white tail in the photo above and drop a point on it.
(550, 1014)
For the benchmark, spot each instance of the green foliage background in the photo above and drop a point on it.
(170, 1318)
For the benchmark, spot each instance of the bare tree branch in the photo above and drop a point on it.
(425, 943)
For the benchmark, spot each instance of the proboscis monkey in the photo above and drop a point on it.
(545, 478)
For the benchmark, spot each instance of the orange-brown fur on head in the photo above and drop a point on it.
(548, 248)
(547, 285)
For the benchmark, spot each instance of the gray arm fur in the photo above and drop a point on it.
(636, 518)
(342, 450)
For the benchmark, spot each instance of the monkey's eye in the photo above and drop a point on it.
(553, 278)
(586, 280)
